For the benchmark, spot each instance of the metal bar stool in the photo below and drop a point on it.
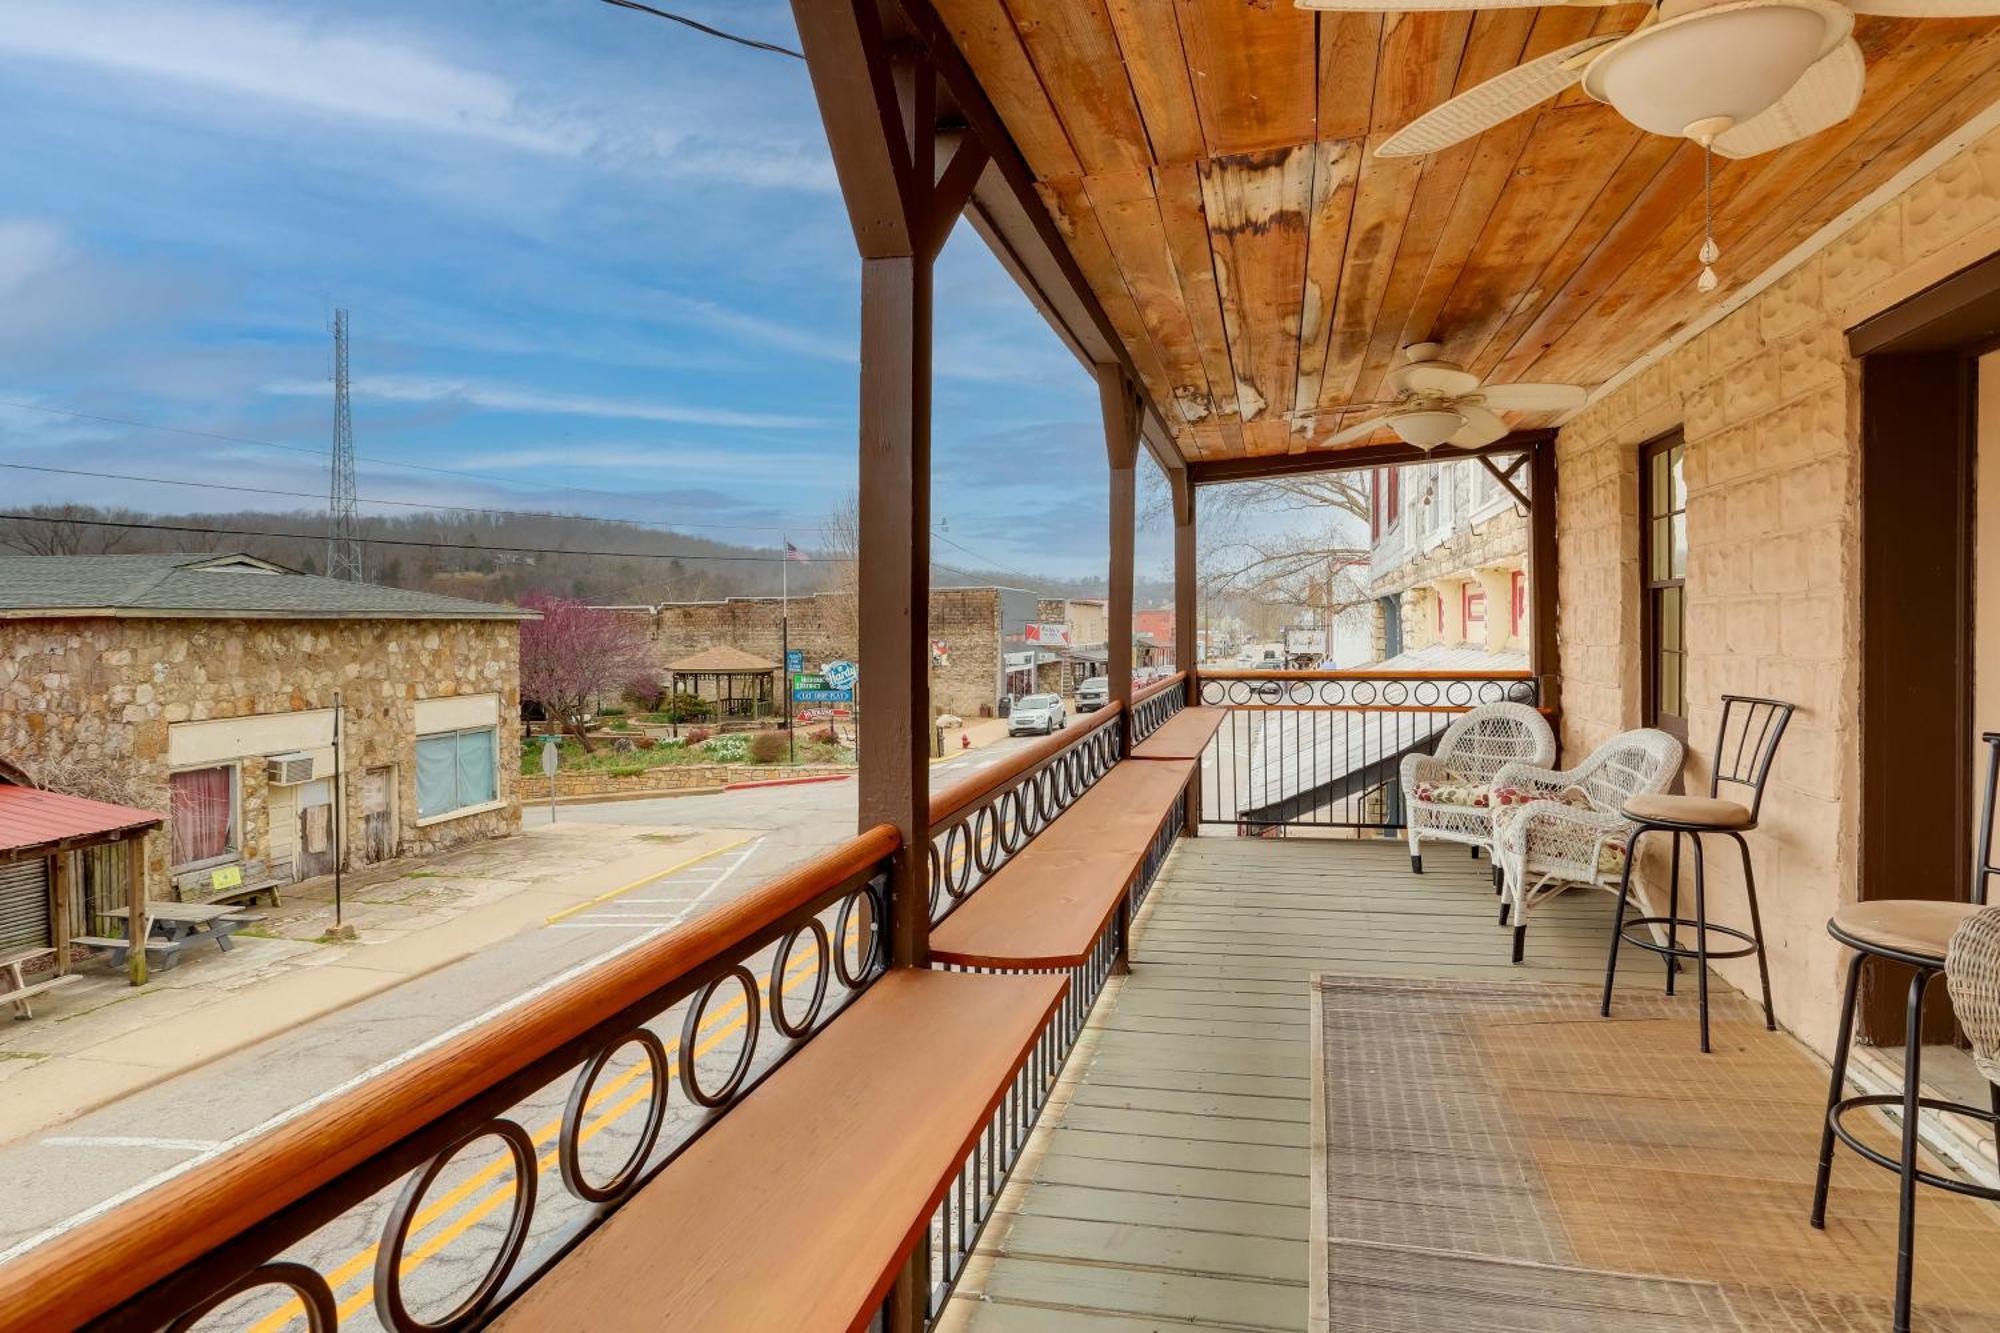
(1744, 746)
(1917, 933)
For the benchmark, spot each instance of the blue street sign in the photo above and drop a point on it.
(795, 659)
(823, 696)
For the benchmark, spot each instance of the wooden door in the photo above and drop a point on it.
(378, 814)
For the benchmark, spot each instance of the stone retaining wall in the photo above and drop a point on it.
(672, 777)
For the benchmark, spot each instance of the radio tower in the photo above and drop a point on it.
(343, 548)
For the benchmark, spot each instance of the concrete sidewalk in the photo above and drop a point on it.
(101, 1039)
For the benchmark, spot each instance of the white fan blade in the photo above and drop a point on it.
(1500, 98)
(1481, 426)
(1824, 96)
(1924, 9)
(1533, 397)
(1358, 432)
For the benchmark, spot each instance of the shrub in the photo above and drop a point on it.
(696, 735)
(684, 707)
(630, 771)
(645, 742)
(825, 736)
(643, 692)
(612, 710)
(619, 724)
(729, 749)
(768, 747)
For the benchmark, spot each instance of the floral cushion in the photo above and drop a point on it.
(1453, 789)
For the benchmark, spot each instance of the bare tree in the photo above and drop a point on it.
(840, 545)
(73, 773)
(575, 653)
(67, 529)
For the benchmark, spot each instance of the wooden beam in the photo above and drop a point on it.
(1506, 479)
(1187, 609)
(1218, 471)
(59, 881)
(1545, 648)
(859, 104)
(1120, 405)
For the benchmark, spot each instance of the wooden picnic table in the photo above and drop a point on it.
(12, 963)
(171, 924)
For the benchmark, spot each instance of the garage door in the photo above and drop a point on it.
(24, 905)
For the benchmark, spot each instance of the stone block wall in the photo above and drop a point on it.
(823, 626)
(1768, 401)
(106, 690)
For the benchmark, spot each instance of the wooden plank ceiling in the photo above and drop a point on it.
(1210, 164)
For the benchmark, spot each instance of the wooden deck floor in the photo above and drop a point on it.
(1167, 1184)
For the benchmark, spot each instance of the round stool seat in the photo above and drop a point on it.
(1688, 811)
(1916, 927)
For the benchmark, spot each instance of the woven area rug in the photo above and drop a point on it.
(1498, 1157)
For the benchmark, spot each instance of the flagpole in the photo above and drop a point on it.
(785, 641)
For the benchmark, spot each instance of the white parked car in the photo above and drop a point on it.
(1039, 714)
(1093, 694)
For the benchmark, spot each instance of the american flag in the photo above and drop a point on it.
(794, 553)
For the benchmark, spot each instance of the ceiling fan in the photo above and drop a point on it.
(1440, 402)
(1738, 77)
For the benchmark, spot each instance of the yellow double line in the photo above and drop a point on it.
(638, 1078)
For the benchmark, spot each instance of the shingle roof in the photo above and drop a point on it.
(33, 818)
(722, 657)
(208, 584)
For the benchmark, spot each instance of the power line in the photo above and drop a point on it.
(398, 541)
(700, 27)
(205, 531)
(365, 458)
(426, 505)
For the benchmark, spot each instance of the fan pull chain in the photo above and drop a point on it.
(1709, 251)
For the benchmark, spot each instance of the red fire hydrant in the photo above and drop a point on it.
(964, 741)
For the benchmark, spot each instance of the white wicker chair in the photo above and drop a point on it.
(1471, 751)
(1560, 836)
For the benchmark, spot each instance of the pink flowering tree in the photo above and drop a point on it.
(576, 653)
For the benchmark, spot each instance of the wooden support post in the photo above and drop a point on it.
(137, 927)
(1544, 657)
(1120, 406)
(895, 727)
(59, 886)
(1187, 609)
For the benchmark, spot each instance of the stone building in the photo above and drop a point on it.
(204, 685)
(968, 625)
(1447, 560)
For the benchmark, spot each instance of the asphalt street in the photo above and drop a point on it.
(97, 1160)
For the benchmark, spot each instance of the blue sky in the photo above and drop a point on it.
(595, 257)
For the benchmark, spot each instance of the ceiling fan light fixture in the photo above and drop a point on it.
(1426, 427)
(1701, 71)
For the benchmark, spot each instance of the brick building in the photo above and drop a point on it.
(203, 686)
(973, 626)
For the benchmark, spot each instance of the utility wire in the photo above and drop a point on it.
(433, 506)
(205, 531)
(364, 458)
(750, 42)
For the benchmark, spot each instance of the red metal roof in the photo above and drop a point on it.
(32, 818)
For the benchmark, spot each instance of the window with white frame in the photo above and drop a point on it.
(457, 770)
(202, 811)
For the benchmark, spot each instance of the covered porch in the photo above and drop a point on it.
(1045, 1049)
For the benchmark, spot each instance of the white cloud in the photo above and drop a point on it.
(28, 248)
(774, 333)
(281, 59)
(503, 398)
(630, 458)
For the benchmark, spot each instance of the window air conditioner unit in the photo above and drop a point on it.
(288, 770)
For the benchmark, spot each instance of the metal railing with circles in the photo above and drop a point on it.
(1321, 749)
(601, 1079)
(1153, 706)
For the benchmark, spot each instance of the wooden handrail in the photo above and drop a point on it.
(1155, 687)
(967, 791)
(114, 1256)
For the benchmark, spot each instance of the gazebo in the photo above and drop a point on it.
(739, 683)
